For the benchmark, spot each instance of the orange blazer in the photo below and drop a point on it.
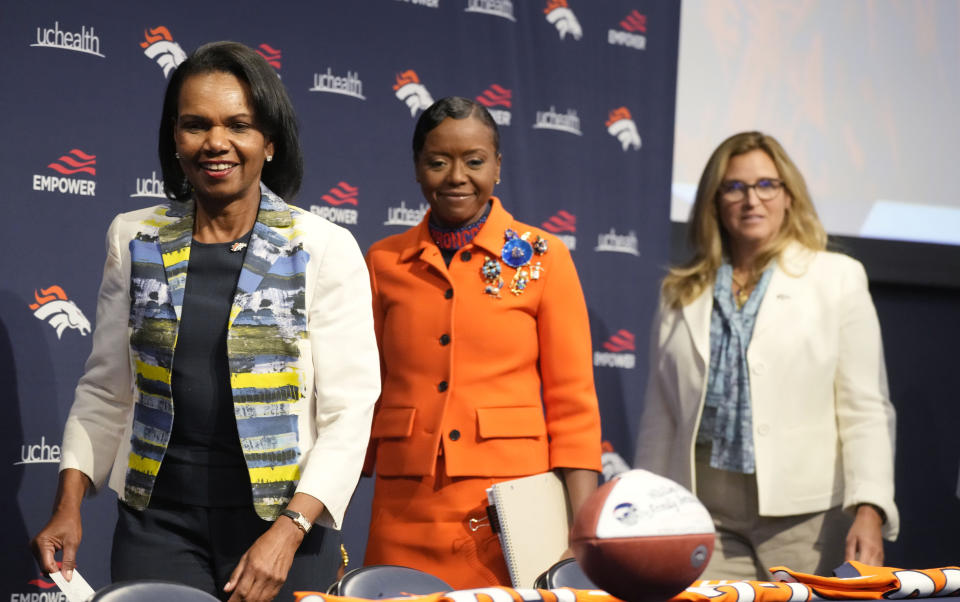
(500, 386)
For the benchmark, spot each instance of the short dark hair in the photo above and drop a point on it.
(272, 107)
(456, 107)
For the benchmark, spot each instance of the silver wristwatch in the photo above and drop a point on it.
(298, 519)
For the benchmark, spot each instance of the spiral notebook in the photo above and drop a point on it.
(533, 514)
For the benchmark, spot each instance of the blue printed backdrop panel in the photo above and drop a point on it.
(583, 92)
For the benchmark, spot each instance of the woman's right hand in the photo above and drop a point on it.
(64, 530)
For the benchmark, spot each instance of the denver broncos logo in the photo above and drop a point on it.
(560, 15)
(159, 46)
(409, 89)
(621, 126)
(53, 307)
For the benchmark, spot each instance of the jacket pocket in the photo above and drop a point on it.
(511, 422)
(393, 422)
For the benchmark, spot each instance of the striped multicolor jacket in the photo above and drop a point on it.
(302, 355)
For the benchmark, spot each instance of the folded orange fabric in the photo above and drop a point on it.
(863, 583)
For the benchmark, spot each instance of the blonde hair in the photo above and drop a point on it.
(711, 242)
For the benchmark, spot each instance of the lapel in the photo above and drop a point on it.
(268, 242)
(697, 317)
(784, 290)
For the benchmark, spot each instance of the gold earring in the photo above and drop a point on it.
(498, 181)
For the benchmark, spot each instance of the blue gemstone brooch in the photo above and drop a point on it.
(517, 253)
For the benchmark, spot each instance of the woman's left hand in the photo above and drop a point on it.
(263, 569)
(865, 538)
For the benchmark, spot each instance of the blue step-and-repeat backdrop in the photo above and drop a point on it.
(583, 91)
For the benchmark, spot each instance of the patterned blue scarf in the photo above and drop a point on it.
(727, 420)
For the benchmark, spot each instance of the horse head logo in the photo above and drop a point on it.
(53, 307)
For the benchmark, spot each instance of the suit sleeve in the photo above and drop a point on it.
(657, 429)
(103, 400)
(346, 375)
(371, 457)
(566, 367)
(865, 417)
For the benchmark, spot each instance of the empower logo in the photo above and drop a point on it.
(632, 35)
(621, 126)
(564, 225)
(497, 96)
(497, 8)
(53, 307)
(341, 194)
(560, 16)
(159, 46)
(85, 40)
(44, 584)
(272, 55)
(409, 89)
(75, 162)
(619, 351)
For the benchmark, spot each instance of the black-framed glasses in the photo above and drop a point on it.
(734, 191)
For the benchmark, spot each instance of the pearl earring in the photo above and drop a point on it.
(269, 158)
(177, 155)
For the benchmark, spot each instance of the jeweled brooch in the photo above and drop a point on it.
(517, 252)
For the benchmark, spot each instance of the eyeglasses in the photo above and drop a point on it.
(734, 191)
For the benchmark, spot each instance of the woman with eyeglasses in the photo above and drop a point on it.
(767, 392)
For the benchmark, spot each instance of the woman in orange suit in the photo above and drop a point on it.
(485, 350)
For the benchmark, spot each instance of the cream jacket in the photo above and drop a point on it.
(334, 369)
(823, 424)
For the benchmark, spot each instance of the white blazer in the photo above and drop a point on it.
(823, 424)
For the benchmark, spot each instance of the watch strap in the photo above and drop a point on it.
(298, 519)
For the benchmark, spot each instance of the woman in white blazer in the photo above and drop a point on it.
(767, 391)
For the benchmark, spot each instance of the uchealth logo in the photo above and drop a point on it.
(497, 8)
(550, 119)
(150, 187)
(425, 3)
(405, 216)
(611, 242)
(159, 46)
(347, 85)
(272, 55)
(618, 351)
(341, 194)
(560, 16)
(495, 97)
(564, 225)
(632, 34)
(621, 126)
(74, 163)
(409, 89)
(85, 40)
(39, 453)
(53, 307)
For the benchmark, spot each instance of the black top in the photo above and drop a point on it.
(204, 464)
